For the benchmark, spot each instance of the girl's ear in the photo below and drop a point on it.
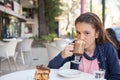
(97, 34)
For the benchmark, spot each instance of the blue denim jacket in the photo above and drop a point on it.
(106, 56)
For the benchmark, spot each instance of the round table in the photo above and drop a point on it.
(18, 39)
(29, 75)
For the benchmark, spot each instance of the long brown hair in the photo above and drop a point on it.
(94, 20)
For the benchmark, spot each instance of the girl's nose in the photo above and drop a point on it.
(82, 37)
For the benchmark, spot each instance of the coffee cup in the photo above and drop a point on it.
(79, 46)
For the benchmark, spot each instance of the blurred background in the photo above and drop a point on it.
(37, 18)
(50, 21)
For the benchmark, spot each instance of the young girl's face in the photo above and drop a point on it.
(87, 33)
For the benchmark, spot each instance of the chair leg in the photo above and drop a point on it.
(9, 64)
(14, 59)
(0, 65)
(8, 60)
(23, 60)
(22, 56)
(16, 55)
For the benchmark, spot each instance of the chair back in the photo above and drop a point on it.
(8, 50)
(52, 51)
(3, 51)
(24, 45)
(61, 43)
(11, 46)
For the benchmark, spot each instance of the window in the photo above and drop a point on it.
(28, 28)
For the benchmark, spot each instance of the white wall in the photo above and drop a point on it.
(35, 27)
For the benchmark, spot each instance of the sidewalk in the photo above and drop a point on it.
(40, 57)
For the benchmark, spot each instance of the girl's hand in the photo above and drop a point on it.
(68, 51)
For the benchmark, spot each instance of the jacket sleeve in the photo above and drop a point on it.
(57, 62)
(112, 63)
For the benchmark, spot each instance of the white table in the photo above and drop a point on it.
(29, 75)
(12, 39)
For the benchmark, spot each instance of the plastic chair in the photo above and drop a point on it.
(52, 50)
(7, 51)
(24, 47)
(60, 43)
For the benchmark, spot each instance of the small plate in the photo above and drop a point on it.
(69, 73)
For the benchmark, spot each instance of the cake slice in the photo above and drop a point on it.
(41, 73)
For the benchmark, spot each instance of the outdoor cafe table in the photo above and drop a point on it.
(18, 39)
(29, 75)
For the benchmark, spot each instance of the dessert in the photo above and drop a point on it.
(41, 73)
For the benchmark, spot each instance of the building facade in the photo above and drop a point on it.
(17, 19)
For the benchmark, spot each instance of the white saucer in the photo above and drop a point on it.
(69, 73)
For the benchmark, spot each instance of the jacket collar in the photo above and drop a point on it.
(95, 55)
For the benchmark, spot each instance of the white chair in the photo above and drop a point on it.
(4, 55)
(52, 50)
(60, 43)
(11, 50)
(24, 47)
(8, 50)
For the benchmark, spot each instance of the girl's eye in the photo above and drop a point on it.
(78, 32)
(86, 33)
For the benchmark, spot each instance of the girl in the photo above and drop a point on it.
(99, 52)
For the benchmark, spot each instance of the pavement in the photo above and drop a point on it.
(40, 57)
